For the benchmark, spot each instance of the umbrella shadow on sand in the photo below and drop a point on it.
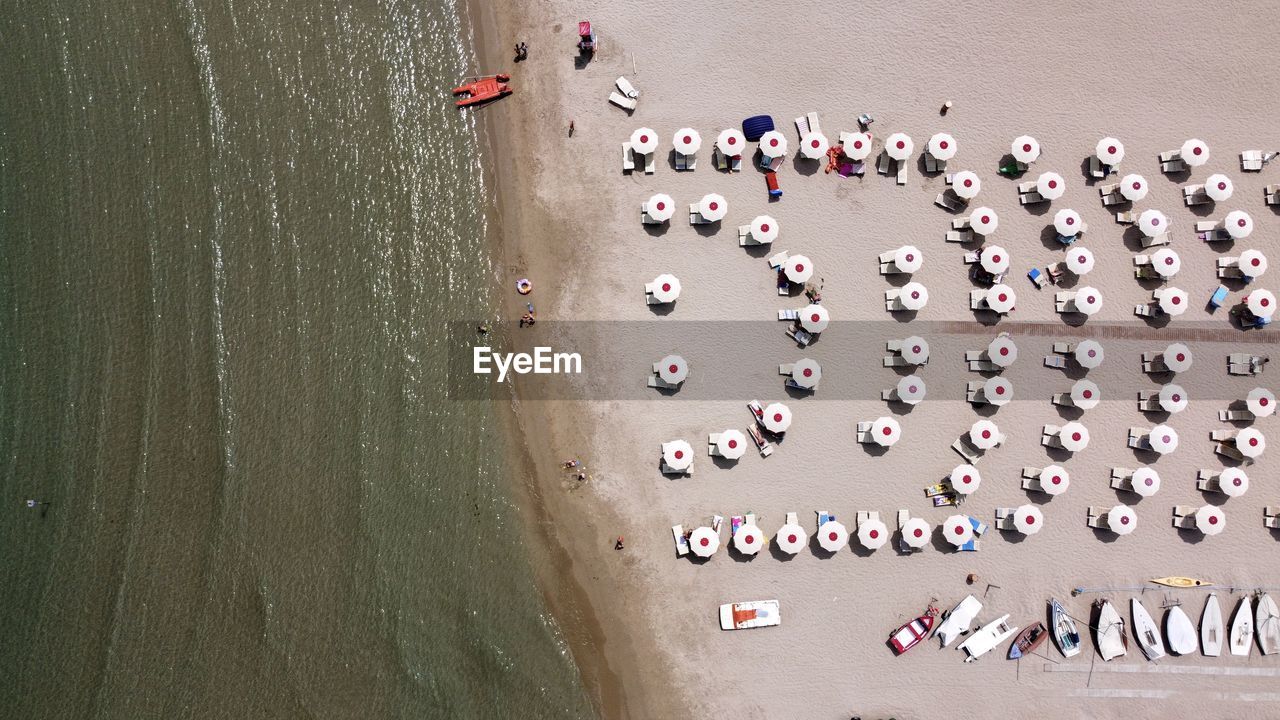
(779, 554)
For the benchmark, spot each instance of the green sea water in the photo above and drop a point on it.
(230, 236)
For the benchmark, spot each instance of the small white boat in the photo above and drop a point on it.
(1267, 625)
(987, 637)
(1145, 631)
(1109, 634)
(1065, 632)
(747, 615)
(1179, 632)
(958, 620)
(1211, 627)
(1242, 628)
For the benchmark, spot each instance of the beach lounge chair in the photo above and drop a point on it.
(893, 300)
(1037, 278)
(1113, 199)
(864, 431)
(623, 102)
(1030, 198)
(1195, 195)
(802, 337)
(1251, 160)
(695, 217)
(959, 236)
(786, 369)
(777, 260)
(765, 448)
(1184, 517)
(933, 164)
(1271, 516)
(1121, 478)
(1062, 399)
(1004, 519)
(657, 382)
(628, 158)
(866, 516)
(1171, 162)
(681, 162)
(822, 517)
(1109, 188)
(626, 88)
(1138, 439)
(1096, 517)
(719, 160)
(1230, 415)
(884, 163)
(650, 163)
(1221, 435)
(682, 542)
(802, 126)
(1230, 451)
(902, 173)
(1148, 402)
(1145, 310)
(1097, 169)
(1125, 217)
(1271, 194)
(712, 440)
(1055, 361)
(668, 470)
(1049, 436)
(895, 361)
(786, 314)
(970, 453)
(950, 201)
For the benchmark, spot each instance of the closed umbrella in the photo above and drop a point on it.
(1153, 223)
(915, 532)
(661, 207)
(984, 221)
(1172, 398)
(1050, 185)
(1025, 149)
(1079, 260)
(1133, 187)
(1145, 481)
(832, 536)
(814, 145)
(915, 350)
(687, 141)
(677, 454)
(798, 268)
(673, 369)
(899, 146)
(713, 207)
(1089, 354)
(1054, 480)
(814, 318)
(1233, 482)
(1121, 520)
(748, 540)
(942, 146)
(965, 479)
(1163, 439)
(764, 228)
(1067, 222)
(790, 539)
(1210, 520)
(1238, 224)
(1074, 437)
(1261, 303)
(773, 144)
(1088, 300)
(777, 418)
(885, 431)
(1085, 394)
(1166, 262)
(1027, 519)
(1177, 357)
(914, 296)
(644, 141)
(1261, 402)
(966, 184)
(806, 373)
(1218, 187)
(666, 288)
(1250, 442)
(998, 391)
(994, 259)
(984, 434)
(911, 390)
(1173, 301)
(858, 147)
(872, 534)
(732, 444)
(1252, 263)
(731, 142)
(957, 530)
(1110, 151)
(1194, 153)
(1002, 351)
(1001, 298)
(704, 542)
(908, 258)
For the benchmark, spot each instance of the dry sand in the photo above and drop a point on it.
(1151, 76)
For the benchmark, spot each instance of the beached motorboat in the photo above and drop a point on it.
(1109, 633)
(1028, 640)
(1145, 631)
(1179, 632)
(483, 89)
(958, 620)
(986, 638)
(911, 633)
(747, 615)
(1065, 632)
(1241, 636)
(1266, 625)
(1177, 581)
(1211, 627)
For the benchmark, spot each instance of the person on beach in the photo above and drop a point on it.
(570, 128)
(618, 545)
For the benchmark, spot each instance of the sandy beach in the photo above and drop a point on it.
(641, 622)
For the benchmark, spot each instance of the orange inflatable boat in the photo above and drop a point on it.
(483, 90)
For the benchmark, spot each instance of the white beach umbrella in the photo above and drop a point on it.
(806, 373)
(984, 434)
(886, 431)
(713, 207)
(1121, 520)
(1218, 187)
(1166, 262)
(915, 532)
(661, 207)
(942, 146)
(1074, 437)
(915, 350)
(1163, 439)
(764, 228)
(858, 147)
(814, 318)
(1027, 519)
(1210, 520)
(984, 220)
(731, 142)
(1172, 398)
(677, 454)
(1173, 301)
(1261, 402)
(1261, 303)
(914, 296)
(1089, 354)
(777, 418)
(1054, 479)
(1233, 482)
(873, 534)
(1085, 394)
(1251, 442)
(814, 145)
(1002, 351)
(1110, 151)
(899, 146)
(1001, 298)
(1253, 263)
(790, 539)
(965, 479)
(732, 444)
(1153, 223)
(673, 369)
(832, 536)
(911, 389)
(957, 530)
(1177, 357)
(687, 141)
(1238, 224)
(994, 259)
(1050, 185)
(1079, 260)
(908, 258)
(1067, 222)
(748, 540)
(798, 268)
(998, 391)
(704, 542)
(966, 184)
(1088, 300)
(666, 288)
(773, 144)
(644, 141)
(1025, 149)
(1194, 153)
(1145, 481)
(1133, 187)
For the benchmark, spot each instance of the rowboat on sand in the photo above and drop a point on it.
(1028, 640)
(1109, 632)
(1065, 632)
(1177, 581)
(1145, 631)
(1242, 628)
(1211, 627)
(909, 634)
(1179, 632)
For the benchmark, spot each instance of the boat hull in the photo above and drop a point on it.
(1177, 581)
(1065, 633)
(1145, 631)
(1179, 632)
(1109, 634)
(1211, 630)
(1267, 625)
(1241, 628)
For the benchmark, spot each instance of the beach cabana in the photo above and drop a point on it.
(1261, 402)
(899, 146)
(814, 318)
(665, 289)
(791, 538)
(677, 456)
(994, 259)
(777, 418)
(984, 435)
(773, 144)
(730, 444)
(965, 479)
(1085, 394)
(644, 141)
(660, 207)
(1238, 224)
(1172, 398)
(885, 431)
(814, 145)
(1210, 520)
(984, 221)
(966, 184)
(832, 536)
(910, 390)
(857, 146)
(1067, 222)
(1025, 149)
(713, 207)
(916, 532)
(764, 229)
(806, 373)
(957, 530)
(748, 540)
(1080, 260)
(1133, 187)
(915, 350)
(1153, 223)
(1110, 151)
(1027, 519)
(1218, 187)
(798, 269)
(1194, 153)
(1088, 354)
(704, 542)
(873, 534)
(1050, 185)
(731, 142)
(1163, 439)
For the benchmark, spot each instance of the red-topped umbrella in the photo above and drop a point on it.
(1089, 354)
(1238, 224)
(957, 530)
(984, 435)
(872, 534)
(1079, 260)
(1172, 398)
(677, 454)
(732, 444)
(858, 146)
(908, 258)
(644, 141)
(1163, 439)
(1001, 298)
(777, 418)
(713, 207)
(1074, 437)
(673, 369)
(790, 539)
(798, 268)
(704, 542)
(914, 296)
(886, 431)
(1262, 303)
(748, 540)
(1177, 357)
(915, 350)
(965, 479)
(731, 142)
(832, 536)
(1027, 519)
(1261, 402)
(773, 144)
(1025, 149)
(1233, 482)
(1002, 351)
(1145, 481)
(1121, 520)
(1166, 262)
(1250, 442)
(814, 145)
(666, 288)
(998, 391)
(1153, 223)
(1110, 151)
(1210, 520)
(1218, 187)
(984, 220)
(764, 228)
(1173, 301)
(1133, 187)
(806, 373)
(966, 184)
(994, 259)
(1054, 480)
(814, 318)
(942, 146)
(1088, 300)
(1252, 263)
(1085, 394)
(1050, 185)
(687, 141)
(911, 390)
(916, 532)
(1067, 222)
(899, 146)
(660, 207)
(1194, 153)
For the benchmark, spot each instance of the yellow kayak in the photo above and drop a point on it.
(1181, 582)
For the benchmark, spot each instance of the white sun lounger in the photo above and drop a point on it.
(625, 103)
(628, 158)
(626, 88)
(967, 451)
(682, 543)
(1251, 160)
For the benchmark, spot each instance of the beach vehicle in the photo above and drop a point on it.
(985, 639)
(1241, 636)
(911, 633)
(1211, 627)
(483, 89)
(1179, 632)
(1145, 631)
(1176, 581)
(586, 38)
(1267, 625)
(748, 615)
(1109, 633)
(1028, 640)
(957, 621)
(1065, 632)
